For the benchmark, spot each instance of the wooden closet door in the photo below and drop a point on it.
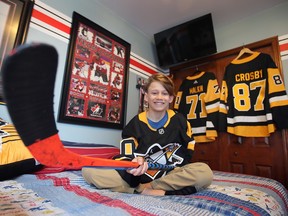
(256, 156)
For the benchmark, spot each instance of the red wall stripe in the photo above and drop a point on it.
(283, 47)
(141, 66)
(50, 21)
(66, 29)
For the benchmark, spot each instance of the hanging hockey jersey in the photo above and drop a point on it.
(198, 99)
(253, 97)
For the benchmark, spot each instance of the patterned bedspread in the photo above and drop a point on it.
(66, 193)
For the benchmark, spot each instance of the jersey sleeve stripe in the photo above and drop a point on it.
(278, 101)
(250, 119)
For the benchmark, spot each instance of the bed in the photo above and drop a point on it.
(54, 191)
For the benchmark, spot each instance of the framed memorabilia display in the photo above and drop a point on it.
(14, 24)
(96, 76)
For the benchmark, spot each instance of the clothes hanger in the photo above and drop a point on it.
(243, 51)
(197, 71)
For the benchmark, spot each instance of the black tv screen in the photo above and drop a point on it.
(187, 41)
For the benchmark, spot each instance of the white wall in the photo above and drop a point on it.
(250, 29)
(104, 17)
(269, 23)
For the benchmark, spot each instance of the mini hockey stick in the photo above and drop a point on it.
(28, 75)
(151, 166)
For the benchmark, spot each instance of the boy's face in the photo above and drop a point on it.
(157, 97)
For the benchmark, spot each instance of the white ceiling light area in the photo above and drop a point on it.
(152, 16)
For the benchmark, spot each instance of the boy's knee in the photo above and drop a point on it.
(87, 175)
(206, 177)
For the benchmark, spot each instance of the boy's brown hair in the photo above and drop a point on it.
(164, 80)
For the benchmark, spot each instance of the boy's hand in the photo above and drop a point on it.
(143, 166)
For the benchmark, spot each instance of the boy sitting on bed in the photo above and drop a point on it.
(156, 135)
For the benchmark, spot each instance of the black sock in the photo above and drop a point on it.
(28, 75)
(184, 191)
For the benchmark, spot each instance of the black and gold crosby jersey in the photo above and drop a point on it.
(171, 144)
(198, 100)
(253, 97)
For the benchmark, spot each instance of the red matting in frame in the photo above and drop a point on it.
(96, 78)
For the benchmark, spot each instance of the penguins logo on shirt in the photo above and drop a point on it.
(163, 155)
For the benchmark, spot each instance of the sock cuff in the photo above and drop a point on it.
(184, 191)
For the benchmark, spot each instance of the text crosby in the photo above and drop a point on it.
(249, 76)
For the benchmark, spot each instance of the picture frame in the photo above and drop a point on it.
(96, 76)
(14, 24)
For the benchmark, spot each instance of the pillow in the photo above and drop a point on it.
(92, 150)
(15, 158)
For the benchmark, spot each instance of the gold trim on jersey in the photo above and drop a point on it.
(143, 117)
(204, 138)
(128, 146)
(247, 59)
(197, 76)
(213, 108)
(171, 113)
(178, 99)
(255, 131)
(191, 145)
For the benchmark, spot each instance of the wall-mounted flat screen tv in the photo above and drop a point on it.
(187, 41)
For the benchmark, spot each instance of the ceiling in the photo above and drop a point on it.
(152, 16)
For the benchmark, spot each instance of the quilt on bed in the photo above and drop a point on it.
(66, 193)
